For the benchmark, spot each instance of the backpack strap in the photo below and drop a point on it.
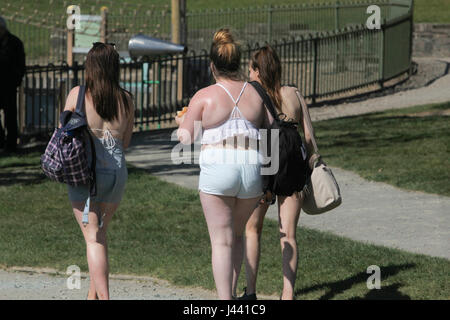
(266, 99)
(80, 109)
(80, 102)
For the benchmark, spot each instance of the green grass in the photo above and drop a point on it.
(159, 229)
(37, 39)
(424, 10)
(407, 152)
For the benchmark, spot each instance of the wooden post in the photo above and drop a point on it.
(178, 9)
(70, 41)
(104, 25)
(175, 21)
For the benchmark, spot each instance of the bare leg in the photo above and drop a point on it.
(289, 213)
(92, 294)
(218, 214)
(96, 246)
(243, 210)
(253, 232)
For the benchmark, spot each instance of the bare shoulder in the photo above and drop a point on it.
(288, 91)
(253, 92)
(71, 101)
(203, 96)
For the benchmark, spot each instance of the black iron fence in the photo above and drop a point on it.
(323, 66)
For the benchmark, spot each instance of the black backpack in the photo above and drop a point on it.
(293, 171)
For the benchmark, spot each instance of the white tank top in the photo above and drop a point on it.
(234, 126)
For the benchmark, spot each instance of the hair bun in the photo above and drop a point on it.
(222, 37)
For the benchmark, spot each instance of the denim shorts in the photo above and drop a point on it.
(110, 187)
(230, 172)
(111, 174)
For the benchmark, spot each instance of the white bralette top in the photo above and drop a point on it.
(234, 126)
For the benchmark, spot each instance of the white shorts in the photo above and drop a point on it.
(230, 172)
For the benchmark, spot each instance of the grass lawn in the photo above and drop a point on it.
(411, 152)
(159, 229)
(424, 10)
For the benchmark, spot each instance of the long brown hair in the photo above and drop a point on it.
(267, 62)
(225, 54)
(102, 80)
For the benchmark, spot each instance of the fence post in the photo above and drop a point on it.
(336, 15)
(175, 21)
(183, 23)
(70, 40)
(382, 49)
(269, 23)
(315, 71)
(21, 109)
(411, 24)
(61, 96)
(178, 9)
(104, 25)
(75, 73)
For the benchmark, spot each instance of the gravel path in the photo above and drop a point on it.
(371, 211)
(35, 284)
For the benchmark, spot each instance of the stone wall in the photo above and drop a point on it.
(431, 40)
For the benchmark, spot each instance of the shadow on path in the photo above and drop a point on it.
(388, 292)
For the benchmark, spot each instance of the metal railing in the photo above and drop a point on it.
(323, 66)
(45, 37)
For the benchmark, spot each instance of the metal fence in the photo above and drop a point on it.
(266, 23)
(323, 66)
(45, 36)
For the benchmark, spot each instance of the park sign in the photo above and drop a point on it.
(88, 33)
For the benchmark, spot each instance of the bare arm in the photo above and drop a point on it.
(194, 113)
(71, 101)
(308, 131)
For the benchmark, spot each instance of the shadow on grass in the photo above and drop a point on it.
(337, 287)
(385, 293)
(22, 167)
(24, 178)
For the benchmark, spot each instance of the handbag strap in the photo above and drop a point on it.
(315, 156)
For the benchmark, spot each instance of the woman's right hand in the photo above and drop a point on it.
(179, 120)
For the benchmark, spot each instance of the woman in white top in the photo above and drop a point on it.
(230, 113)
(265, 67)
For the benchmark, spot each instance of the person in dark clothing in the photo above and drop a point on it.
(12, 70)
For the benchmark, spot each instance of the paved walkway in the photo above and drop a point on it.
(373, 212)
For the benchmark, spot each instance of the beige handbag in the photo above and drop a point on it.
(322, 192)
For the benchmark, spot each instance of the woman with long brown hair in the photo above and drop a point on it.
(110, 116)
(265, 67)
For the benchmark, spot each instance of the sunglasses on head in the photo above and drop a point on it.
(94, 44)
